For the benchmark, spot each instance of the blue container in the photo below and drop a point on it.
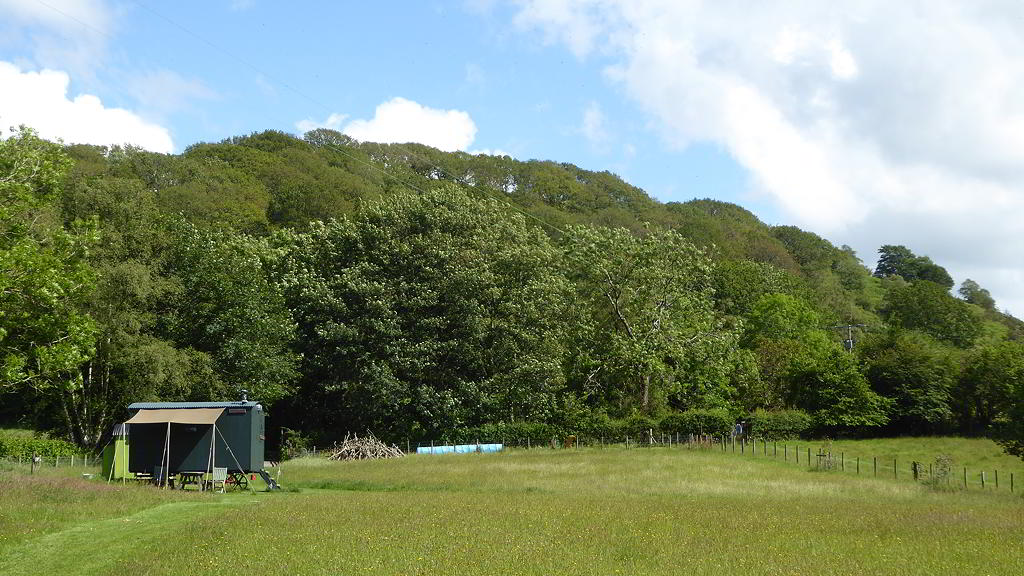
(460, 448)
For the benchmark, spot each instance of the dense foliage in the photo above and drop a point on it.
(431, 295)
(22, 445)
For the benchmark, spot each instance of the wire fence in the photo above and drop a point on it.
(814, 455)
(810, 454)
(38, 462)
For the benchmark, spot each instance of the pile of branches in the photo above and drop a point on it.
(366, 448)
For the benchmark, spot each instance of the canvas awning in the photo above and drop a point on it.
(177, 416)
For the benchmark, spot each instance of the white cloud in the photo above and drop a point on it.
(333, 122)
(63, 14)
(40, 100)
(62, 34)
(870, 123)
(595, 128)
(164, 92)
(398, 121)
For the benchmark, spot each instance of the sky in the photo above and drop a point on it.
(868, 123)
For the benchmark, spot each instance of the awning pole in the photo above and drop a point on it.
(167, 441)
(211, 459)
(113, 461)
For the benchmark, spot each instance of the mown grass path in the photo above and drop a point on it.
(100, 546)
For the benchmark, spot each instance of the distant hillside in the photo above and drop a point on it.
(420, 293)
(271, 180)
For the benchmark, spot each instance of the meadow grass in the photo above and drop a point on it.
(975, 454)
(588, 511)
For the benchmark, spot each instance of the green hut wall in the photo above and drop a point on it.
(115, 457)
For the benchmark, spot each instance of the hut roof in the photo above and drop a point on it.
(164, 405)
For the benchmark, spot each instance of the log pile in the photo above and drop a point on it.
(366, 448)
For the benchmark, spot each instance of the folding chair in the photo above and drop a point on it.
(219, 475)
(158, 476)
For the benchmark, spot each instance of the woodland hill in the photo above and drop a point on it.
(418, 293)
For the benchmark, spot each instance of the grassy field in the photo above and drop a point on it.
(589, 511)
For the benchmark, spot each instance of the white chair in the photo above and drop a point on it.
(219, 475)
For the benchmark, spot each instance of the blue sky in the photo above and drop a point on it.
(208, 70)
(868, 123)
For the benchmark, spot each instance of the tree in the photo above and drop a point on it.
(228, 308)
(1008, 377)
(801, 367)
(929, 307)
(900, 261)
(44, 278)
(740, 284)
(648, 332)
(424, 313)
(989, 389)
(917, 373)
(972, 292)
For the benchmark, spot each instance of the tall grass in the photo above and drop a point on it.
(588, 511)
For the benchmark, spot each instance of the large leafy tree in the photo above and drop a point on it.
(44, 278)
(917, 373)
(989, 389)
(228, 307)
(424, 313)
(801, 367)
(648, 334)
(181, 313)
(928, 307)
(1006, 362)
(900, 261)
(972, 292)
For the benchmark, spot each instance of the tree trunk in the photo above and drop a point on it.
(647, 391)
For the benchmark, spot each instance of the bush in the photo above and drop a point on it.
(779, 425)
(638, 427)
(599, 426)
(511, 433)
(23, 444)
(716, 422)
(294, 444)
